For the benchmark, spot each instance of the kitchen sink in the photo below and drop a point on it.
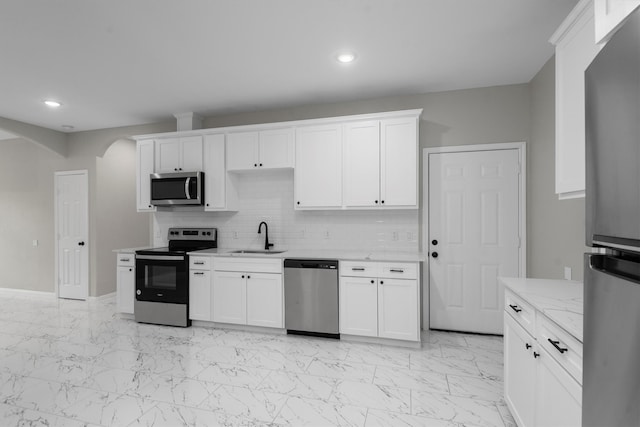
(255, 251)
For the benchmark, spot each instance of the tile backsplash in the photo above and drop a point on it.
(268, 196)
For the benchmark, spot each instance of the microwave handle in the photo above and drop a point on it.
(186, 188)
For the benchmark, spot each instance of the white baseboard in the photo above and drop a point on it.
(27, 292)
(102, 297)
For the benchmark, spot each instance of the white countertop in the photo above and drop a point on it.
(130, 250)
(561, 301)
(324, 254)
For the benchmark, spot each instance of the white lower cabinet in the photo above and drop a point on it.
(264, 300)
(229, 297)
(380, 300)
(248, 291)
(558, 399)
(519, 372)
(199, 288)
(359, 306)
(538, 389)
(398, 314)
(126, 282)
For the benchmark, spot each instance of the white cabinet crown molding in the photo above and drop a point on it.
(294, 123)
(574, 18)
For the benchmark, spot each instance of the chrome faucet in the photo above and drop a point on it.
(267, 245)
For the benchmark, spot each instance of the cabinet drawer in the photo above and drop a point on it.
(521, 311)
(199, 262)
(247, 265)
(561, 346)
(358, 269)
(400, 270)
(126, 259)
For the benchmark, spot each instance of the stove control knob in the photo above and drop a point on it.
(138, 292)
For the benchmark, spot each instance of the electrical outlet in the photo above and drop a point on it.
(567, 273)
(326, 234)
(235, 234)
(35, 242)
(395, 236)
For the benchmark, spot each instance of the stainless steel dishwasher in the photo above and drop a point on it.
(311, 297)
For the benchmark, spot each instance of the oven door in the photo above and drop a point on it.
(162, 278)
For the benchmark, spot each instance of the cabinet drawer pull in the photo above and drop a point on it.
(125, 259)
(398, 270)
(199, 263)
(515, 308)
(557, 346)
(357, 269)
(198, 273)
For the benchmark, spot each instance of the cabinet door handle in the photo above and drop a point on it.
(557, 346)
(131, 269)
(376, 202)
(536, 355)
(527, 345)
(199, 273)
(199, 263)
(397, 270)
(515, 308)
(248, 277)
(373, 281)
(357, 269)
(382, 202)
(381, 282)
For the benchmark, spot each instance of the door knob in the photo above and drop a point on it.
(434, 242)
(81, 244)
(434, 254)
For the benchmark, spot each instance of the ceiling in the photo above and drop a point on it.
(122, 62)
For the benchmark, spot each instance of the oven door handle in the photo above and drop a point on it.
(186, 188)
(161, 257)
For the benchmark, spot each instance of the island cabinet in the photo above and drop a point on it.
(542, 368)
(380, 299)
(266, 149)
(125, 282)
(575, 49)
(179, 154)
(380, 164)
(248, 291)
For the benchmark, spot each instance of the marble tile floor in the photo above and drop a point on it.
(75, 363)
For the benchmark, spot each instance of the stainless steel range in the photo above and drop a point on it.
(162, 277)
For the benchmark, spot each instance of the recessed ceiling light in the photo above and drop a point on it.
(51, 103)
(346, 57)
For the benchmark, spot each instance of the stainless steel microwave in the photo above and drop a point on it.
(176, 189)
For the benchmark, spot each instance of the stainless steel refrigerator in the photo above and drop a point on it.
(611, 372)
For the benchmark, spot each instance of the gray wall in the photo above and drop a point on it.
(555, 227)
(476, 116)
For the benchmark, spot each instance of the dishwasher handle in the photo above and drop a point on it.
(311, 263)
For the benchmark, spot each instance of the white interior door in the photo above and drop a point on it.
(72, 231)
(473, 236)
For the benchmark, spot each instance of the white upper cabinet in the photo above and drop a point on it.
(380, 163)
(220, 192)
(362, 164)
(575, 49)
(399, 162)
(180, 154)
(267, 149)
(318, 171)
(144, 168)
(610, 15)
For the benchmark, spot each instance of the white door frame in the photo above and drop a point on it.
(522, 155)
(85, 173)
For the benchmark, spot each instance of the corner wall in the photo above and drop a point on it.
(555, 227)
